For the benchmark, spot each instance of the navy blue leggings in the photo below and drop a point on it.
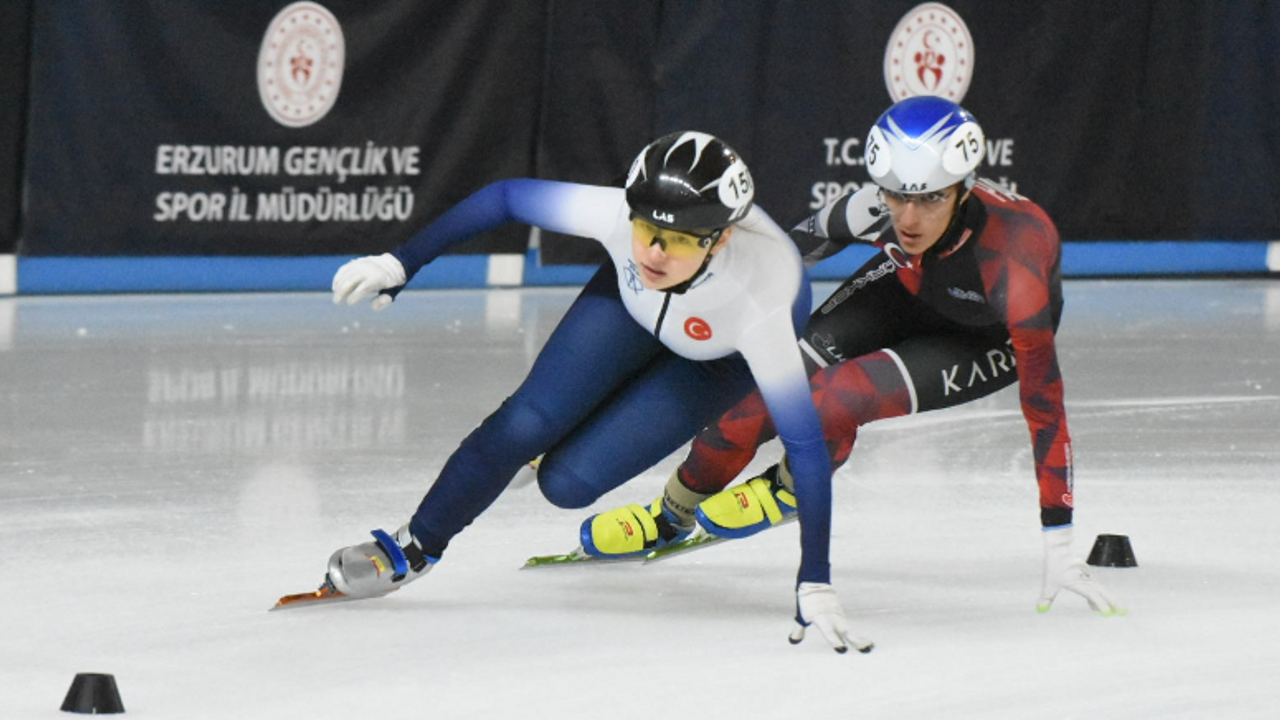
(604, 402)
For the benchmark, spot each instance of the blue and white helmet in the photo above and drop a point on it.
(923, 144)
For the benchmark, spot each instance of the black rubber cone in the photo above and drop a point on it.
(1112, 551)
(93, 694)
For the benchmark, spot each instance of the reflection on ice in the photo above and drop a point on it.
(275, 404)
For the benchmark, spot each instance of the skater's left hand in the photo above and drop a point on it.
(817, 604)
(1062, 571)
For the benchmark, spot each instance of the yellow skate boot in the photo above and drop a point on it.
(746, 509)
(632, 530)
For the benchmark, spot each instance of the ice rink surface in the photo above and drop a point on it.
(170, 465)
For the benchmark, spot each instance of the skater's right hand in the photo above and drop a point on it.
(1063, 571)
(371, 275)
(817, 604)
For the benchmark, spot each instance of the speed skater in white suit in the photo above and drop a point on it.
(700, 303)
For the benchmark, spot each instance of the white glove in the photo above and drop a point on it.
(368, 276)
(817, 604)
(1064, 572)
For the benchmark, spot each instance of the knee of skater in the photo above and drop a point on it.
(564, 488)
(518, 427)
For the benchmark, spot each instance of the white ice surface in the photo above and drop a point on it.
(170, 465)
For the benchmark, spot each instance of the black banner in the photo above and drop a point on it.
(600, 97)
(156, 129)
(210, 128)
(15, 30)
(1126, 123)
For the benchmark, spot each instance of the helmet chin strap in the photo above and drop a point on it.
(682, 287)
(964, 189)
(948, 234)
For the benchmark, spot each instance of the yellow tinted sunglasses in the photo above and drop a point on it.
(673, 242)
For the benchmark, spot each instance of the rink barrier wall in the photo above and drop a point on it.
(91, 275)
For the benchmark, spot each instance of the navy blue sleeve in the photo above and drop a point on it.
(543, 203)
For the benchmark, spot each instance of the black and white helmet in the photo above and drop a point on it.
(689, 181)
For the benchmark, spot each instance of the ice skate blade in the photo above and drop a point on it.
(578, 556)
(326, 595)
(698, 540)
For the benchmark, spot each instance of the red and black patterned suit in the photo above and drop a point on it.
(905, 334)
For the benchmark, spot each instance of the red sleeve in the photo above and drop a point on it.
(1021, 269)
